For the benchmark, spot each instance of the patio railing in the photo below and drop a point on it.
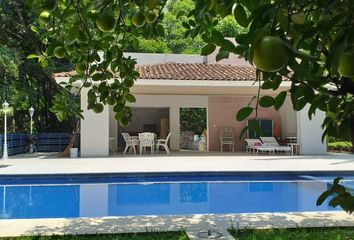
(45, 142)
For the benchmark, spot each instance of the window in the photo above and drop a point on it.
(267, 128)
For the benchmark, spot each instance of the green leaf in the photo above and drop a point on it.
(160, 30)
(323, 197)
(279, 100)
(243, 132)
(241, 16)
(32, 56)
(208, 49)
(243, 113)
(217, 37)
(266, 101)
(130, 98)
(222, 54)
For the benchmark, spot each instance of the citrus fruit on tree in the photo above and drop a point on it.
(346, 64)
(106, 22)
(44, 17)
(49, 5)
(59, 52)
(138, 19)
(298, 18)
(151, 4)
(150, 16)
(80, 67)
(98, 108)
(270, 54)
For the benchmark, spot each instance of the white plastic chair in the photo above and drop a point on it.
(252, 144)
(226, 136)
(130, 142)
(163, 143)
(146, 140)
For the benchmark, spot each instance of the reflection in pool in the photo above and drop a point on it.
(94, 200)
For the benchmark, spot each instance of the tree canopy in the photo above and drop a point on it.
(24, 82)
(310, 43)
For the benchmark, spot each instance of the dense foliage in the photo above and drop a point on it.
(310, 43)
(24, 82)
(193, 119)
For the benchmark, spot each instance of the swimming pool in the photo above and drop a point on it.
(71, 197)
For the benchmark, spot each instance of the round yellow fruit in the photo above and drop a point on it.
(346, 64)
(150, 17)
(106, 23)
(81, 67)
(151, 4)
(59, 52)
(270, 54)
(298, 18)
(98, 108)
(138, 19)
(44, 17)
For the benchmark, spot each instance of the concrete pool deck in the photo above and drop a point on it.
(177, 162)
(191, 223)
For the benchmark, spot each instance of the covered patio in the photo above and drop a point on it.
(179, 81)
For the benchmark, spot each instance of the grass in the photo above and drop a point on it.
(180, 235)
(294, 234)
(340, 146)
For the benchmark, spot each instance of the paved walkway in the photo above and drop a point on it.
(192, 223)
(177, 162)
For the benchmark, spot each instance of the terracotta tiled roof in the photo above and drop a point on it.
(191, 71)
(197, 71)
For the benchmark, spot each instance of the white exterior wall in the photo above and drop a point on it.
(113, 128)
(309, 132)
(174, 103)
(288, 119)
(94, 135)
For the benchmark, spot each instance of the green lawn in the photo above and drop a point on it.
(340, 146)
(294, 234)
(126, 236)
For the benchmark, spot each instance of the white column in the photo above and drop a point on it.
(113, 127)
(288, 119)
(309, 132)
(94, 200)
(94, 130)
(175, 127)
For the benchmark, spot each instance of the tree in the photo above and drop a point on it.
(310, 43)
(24, 82)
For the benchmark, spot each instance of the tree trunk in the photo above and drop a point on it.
(352, 133)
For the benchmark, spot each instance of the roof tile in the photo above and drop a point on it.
(190, 71)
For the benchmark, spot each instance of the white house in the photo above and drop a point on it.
(170, 82)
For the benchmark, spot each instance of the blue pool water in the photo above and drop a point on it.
(43, 198)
